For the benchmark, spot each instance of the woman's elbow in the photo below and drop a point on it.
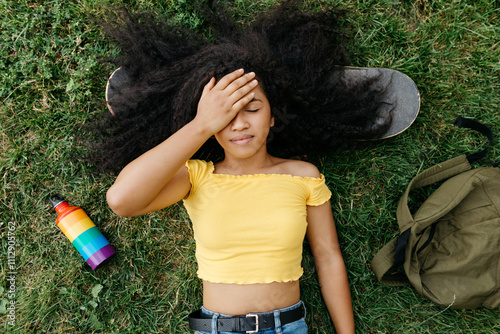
(117, 203)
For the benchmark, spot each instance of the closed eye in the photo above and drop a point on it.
(253, 110)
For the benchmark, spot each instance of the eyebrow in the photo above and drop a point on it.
(255, 100)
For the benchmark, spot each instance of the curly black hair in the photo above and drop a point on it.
(297, 56)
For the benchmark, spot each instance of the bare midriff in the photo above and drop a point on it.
(239, 299)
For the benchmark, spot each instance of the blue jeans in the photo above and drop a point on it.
(296, 327)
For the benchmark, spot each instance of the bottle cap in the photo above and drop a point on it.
(56, 199)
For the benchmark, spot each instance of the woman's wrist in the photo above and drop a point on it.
(199, 128)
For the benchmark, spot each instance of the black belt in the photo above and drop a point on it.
(250, 323)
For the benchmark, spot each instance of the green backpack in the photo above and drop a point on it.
(450, 247)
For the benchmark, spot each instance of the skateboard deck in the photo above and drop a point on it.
(400, 94)
(118, 80)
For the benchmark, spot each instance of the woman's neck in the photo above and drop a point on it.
(254, 165)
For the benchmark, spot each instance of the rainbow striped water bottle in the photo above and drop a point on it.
(82, 233)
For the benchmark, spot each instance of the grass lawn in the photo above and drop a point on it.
(52, 83)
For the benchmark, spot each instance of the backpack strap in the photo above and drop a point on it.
(432, 175)
(392, 255)
(438, 173)
(474, 125)
(384, 268)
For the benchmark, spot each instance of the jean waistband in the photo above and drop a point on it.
(206, 320)
(222, 315)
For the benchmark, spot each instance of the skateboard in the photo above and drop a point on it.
(401, 94)
(118, 81)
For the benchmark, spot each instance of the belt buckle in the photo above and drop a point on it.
(249, 315)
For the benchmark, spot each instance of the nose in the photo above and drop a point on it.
(239, 122)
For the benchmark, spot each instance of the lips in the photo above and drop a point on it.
(241, 140)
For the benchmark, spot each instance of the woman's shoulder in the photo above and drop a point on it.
(298, 168)
(199, 168)
(197, 163)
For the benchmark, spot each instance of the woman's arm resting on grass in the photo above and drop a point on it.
(322, 236)
(158, 178)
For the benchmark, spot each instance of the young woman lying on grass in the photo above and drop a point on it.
(276, 79)
(250, 211)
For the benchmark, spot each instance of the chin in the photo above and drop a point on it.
(242, 152)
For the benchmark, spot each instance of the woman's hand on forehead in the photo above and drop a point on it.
(221, 101)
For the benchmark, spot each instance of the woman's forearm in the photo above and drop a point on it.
(141, 180)
(337, 295)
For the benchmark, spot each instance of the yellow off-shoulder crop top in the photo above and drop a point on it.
(250, 228)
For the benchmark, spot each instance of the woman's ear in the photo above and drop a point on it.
(272, 121)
